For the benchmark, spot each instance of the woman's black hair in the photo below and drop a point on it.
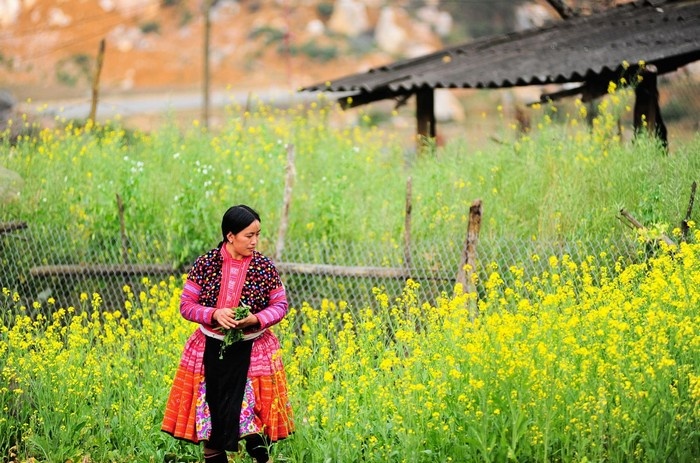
(237, 218)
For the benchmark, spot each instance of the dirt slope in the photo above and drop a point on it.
(50, 50)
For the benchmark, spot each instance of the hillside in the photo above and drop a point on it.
(49, 48)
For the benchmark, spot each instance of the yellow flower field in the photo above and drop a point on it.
(555, 368)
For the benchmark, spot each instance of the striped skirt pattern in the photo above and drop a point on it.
(265, 404)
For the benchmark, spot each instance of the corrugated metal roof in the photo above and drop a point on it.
(663, 33)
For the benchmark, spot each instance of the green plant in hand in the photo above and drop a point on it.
(234, 335)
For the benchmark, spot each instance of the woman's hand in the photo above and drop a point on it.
(250, 321)
(224, 317)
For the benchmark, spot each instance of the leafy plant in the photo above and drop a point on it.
(324, 10)
(71, 70)
(311, 49)
(269, 34)
(231, 336)
(150, 27)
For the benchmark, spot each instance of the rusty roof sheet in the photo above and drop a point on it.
(663, 33)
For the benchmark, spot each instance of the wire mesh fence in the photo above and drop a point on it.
(40, 263)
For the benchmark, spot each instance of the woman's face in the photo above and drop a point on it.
(243, 243)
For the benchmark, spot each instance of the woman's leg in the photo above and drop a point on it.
(257, 446)
(215, 456)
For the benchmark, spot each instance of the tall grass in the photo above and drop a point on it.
(563, 180)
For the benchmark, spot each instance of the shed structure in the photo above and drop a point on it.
(647, 37)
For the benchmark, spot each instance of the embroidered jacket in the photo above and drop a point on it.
(262, 289)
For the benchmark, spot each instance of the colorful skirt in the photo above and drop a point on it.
(260, 402)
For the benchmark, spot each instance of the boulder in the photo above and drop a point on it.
(10, 185)
(7, 102)
(349, 18)
(57, 17)
(439, 21)
(531, 16)
(9, 12)
(390, 37)
(447, 106)
(315, 28)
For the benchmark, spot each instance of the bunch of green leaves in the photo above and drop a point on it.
(234, 335)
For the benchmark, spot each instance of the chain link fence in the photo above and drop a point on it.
(41, 263)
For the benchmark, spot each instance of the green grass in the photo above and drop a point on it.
(562, 181)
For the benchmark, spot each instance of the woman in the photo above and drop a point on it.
(224, 393)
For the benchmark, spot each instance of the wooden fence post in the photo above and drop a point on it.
(467, 265)
(9, 227)
(122, 230)
(96, 81)
(637, 224)
(284, 218)
(685, 228)
(407, 224)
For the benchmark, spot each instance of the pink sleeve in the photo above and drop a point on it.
(191, 309)
(277, 309)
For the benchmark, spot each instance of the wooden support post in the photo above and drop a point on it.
(425, 114)
(407, 224)
(284, 218)
(467, 265)
(647, 113)
(96, 81)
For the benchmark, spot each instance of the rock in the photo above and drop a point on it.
(125, 39)
(7, 102)
(149, 8)
(349, 18)
(58, 18)
(10, 185)
(390, 37)
(415, 50)
(447, 106)
(107, 5)
(9, 12)
(530, 16)
(439, 21)
(315, 28)
(692, 70)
